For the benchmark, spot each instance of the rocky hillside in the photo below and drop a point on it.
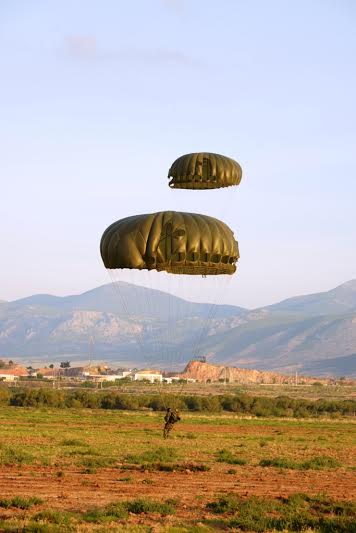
(285, 342)
(127, 323)
(314, 333)
(204, 372)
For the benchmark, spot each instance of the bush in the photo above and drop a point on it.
(320, 462)
(315, 463)
(225, 456)
(120, 510)
(11, 456)
(279, 462)
(159, 455)
(140, 506)
(298, 512)
(5, 396)
(20, 502)
(62, 518)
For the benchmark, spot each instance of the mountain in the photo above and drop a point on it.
(338, 366)
(314, 333)
(122, 299)
(127, 321)
(340, 300)
(285, 343)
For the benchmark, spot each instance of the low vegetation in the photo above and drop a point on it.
(298, 512)
(111, 470)
(225, 456)
(156, 455)
(315, 463)
(163, 460)
(243, 404)
(14, 456)
(20, 502)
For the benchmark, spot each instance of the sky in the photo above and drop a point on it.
(97, 99)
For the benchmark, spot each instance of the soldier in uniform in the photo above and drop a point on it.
(171, 417)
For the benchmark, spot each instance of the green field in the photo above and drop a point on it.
(99, 470)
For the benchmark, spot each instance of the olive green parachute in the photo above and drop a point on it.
(179, 243)
(204, 171)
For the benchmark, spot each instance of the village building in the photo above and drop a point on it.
(117, 375)
(148, 375)
(13, 373)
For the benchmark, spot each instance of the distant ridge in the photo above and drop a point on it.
(313, 334)
(340, 300)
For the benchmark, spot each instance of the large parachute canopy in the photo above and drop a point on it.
(170, 241)
(204, 170)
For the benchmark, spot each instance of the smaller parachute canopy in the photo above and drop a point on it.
(170, 241)
(204, 170)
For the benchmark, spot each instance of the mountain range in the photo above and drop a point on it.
(130, 324)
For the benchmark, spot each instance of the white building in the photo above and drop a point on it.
(114, 377)
(13, 373)
(148, 375)
(8, 377)
(175, 379)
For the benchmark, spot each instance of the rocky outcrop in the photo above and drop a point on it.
(204, 372)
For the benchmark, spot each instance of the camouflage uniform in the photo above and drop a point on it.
(171, 417)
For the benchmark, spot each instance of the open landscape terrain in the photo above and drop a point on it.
(314, 334)
(75, 469)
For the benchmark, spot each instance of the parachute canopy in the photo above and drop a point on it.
(204, 171)
(178, 243)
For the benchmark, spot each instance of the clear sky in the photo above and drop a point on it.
(97, 98)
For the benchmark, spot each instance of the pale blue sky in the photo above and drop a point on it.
(97, 98)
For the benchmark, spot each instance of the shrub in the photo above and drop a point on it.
(120, 510)
(5, 396)
(225, 456)
(111, 512)
(320, 462)
(11, 456)
(62, 518)
(140, 506)
(20, 502)
(279, 462)
(97, 462)
(298, 512)
(315, 463)
(159, 455)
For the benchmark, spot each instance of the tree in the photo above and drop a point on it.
(65, 364)
(30, 370)
(51, 365)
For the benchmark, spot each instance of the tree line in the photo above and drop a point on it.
(238, 403)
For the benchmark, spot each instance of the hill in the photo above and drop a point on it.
(129, 323)
(340, 300)
(317, 331)
(203, 372)
(285, 342)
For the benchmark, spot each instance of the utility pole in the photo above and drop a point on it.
(296, 377)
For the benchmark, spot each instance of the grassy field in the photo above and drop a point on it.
(308, 392)
(94, 470)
